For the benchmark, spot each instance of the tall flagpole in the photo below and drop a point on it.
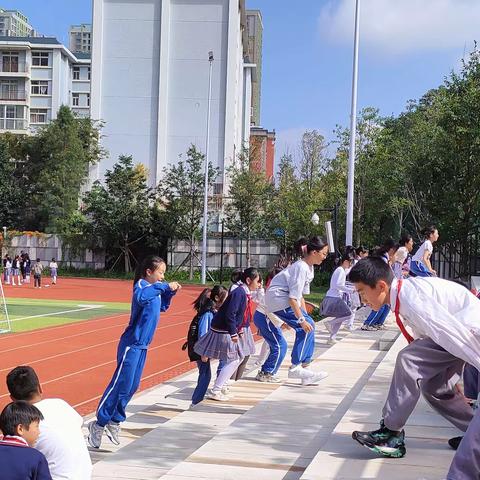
(353, 131)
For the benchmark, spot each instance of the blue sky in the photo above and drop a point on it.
(407, 47)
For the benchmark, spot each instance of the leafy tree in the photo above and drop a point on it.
(249, 196)
(181, 199)
(117, 215)
(10, 189)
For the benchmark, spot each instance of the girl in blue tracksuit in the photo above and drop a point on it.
(224, 340)
(285, 299)
(151, 295)
(206, 305)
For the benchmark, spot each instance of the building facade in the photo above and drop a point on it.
(255, 46)
(37, 76)
(81, 38)
(150, 72)
(262, 151)
(14, 24)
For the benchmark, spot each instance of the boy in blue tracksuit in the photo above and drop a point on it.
(151, 295)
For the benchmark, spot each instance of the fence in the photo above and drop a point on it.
(46, 247)
(225, 253)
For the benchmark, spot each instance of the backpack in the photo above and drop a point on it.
(192, 338)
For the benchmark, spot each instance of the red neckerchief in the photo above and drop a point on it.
(13, 441)
(397, 315)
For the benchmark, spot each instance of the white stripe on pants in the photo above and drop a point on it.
(225, 373)
(336, 323)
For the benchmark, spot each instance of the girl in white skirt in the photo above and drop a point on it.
(337, 302)
(228, 339)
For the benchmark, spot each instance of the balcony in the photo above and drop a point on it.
(18, 124)
(14, 67)
(13, 95)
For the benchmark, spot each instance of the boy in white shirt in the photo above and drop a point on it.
(445, 319)
(61, 439)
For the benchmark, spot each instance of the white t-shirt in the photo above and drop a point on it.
(53, 265)
(61, 441)
(291, 283)
(426, 245)
(338, 283)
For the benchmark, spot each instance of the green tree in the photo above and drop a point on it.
(249, 196)
(10, 189)
(181, 199)
(117, 215)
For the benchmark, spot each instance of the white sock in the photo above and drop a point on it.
(225, 373)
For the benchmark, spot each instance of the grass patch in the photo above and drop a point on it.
(47, 313)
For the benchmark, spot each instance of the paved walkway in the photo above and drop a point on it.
(278, 431)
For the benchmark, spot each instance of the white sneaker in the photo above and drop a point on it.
(225, 389)
(332, 341)
(295, 371)
(314, 378)
(217, 396)
(112, 430)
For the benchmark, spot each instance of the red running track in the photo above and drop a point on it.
(76, 361)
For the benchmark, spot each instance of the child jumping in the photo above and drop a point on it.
(285, 299)
(446, 333)
(420, 265)
(223, 341)
(206, 305)
(337, 300)
(151, 295)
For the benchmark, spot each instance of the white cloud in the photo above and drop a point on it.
(402, 26)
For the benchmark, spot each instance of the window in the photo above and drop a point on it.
(40, 59)
(89, 73)
(75, 99)
(39, 87)
(38, 115)
(76, 73)
(10, 62)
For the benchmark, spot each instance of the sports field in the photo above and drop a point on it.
(69, 333)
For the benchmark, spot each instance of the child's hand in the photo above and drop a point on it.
(174, 286)
(204, 359)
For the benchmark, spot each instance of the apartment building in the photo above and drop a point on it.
(255, 46)
(37, 76)
(81, 38)
(150, 72)
(14, 24)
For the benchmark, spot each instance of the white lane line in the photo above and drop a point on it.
(83, 309)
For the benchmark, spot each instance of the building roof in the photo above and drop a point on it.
(32, 40)
(83, 55)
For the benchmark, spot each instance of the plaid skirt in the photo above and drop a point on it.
(219, 345)
(335, 307)
(246, 341)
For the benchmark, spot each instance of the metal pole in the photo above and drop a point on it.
(205, 193)
(221, 252)
(353, 131)
(335, 221)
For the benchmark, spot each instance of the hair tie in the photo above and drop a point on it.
(304, 249)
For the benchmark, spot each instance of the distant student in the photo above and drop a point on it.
(402, 259)
(7, 269)
(421, 265)
(19, 422)
(151, 295)
(37, 274)
(360, 252)
(53, 271)
(337, 302)
(444, 318)
(235, 278)
(206, 305)
(222, 342)
(16, 270)
(285, 298)
(28, 267)
(61, 438)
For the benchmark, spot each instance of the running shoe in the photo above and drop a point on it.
(332, 341)
(313, 378)
(261, 377)
(112, 431)
(384, 441)
(95, 432)
(217, 396)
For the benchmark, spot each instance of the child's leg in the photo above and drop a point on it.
(224, 374)
(277, 346)
(204, 377)
(382, 315)
(466, 462)
(39, 281)
(241, 369)
(471, 382)
(335, 324)
(264, 353)
(128, 362)
(425, 367)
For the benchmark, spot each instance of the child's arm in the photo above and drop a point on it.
(43, 472)
(204, 324)
(145, 293)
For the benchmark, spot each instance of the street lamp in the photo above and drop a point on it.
(205, 193)
(315, 219)
(353, 130)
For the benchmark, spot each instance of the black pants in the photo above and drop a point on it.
(37, 280)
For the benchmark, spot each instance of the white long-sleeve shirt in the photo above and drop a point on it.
(338, 284)
(443, 311)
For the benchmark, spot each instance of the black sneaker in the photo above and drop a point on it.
(455, 442)
(384, 441)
